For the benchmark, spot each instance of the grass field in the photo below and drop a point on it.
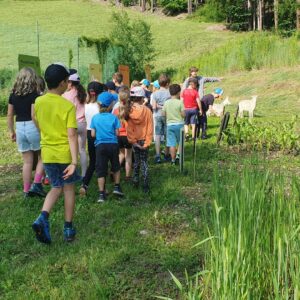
(243, 205)
(174, 40)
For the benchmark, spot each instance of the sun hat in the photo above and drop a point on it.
(56, 72)
(74, 77)
(145, 82)
(219, 91)
(110, 85)
(155, 84)
(137, 91)
(105, 99)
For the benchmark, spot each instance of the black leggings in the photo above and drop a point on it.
(141, 161)
(92, 155)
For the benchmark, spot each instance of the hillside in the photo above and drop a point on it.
(62, 22)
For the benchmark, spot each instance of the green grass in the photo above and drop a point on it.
(176, 41)
(125, 249)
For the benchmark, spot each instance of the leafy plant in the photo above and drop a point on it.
(135, 37)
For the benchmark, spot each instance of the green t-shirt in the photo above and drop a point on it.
(55, 115)
(173, 109)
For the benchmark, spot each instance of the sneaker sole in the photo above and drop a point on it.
(119, 194)
(39, 234)
(32, 194)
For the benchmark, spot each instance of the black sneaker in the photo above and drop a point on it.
(135, 182)
(118, 191)
(146, 189)
(102, 197)
(186, 138)
(167, 158)
(37, 190)
(157, 159)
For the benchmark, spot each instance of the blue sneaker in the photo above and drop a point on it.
(157, 159)
(41, 228)
(37, 190)
(69, 234)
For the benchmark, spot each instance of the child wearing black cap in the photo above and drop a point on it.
(56, 119)
(105, 127)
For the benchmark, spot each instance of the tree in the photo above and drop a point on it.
(276, 14)
(135, 37)
(298, 15)
(190, 7)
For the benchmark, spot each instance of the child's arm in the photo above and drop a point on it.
(93, 133)
(149, 130)
(10, 122)
(33, 117)
(73, 143)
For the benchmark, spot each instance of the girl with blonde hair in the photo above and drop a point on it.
(20, 104)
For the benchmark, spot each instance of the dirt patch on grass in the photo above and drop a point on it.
(13, 168)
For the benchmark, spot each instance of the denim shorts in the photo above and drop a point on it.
(160, 125)
(173, 135)
(191, 116)
(55, 173)
(28, 136)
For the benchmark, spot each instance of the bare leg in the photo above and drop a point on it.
(51, 199)
(122, 155)
(173, 153)
(186, 129)
(101, 184)
(128, 162)
(193, 130)
(157, 145)
(27, 169)
(69, 193)
(117, 177)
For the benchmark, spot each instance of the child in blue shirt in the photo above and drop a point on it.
(105, 128)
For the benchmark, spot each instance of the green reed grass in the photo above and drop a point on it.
(255, 222)
(247, 52)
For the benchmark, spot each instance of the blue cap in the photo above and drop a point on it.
(145, 82)
(105, 99)
(156, 84)
(219, 91)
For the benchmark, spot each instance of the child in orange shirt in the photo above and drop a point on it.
(139, 133)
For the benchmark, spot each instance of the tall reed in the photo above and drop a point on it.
(247, 52)
(254, 249)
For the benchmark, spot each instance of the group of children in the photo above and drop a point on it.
(116, 121)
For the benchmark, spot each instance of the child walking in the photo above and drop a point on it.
(192, 107)
(91, 109)
(139, 134)
(77, 95)
(174, 112)
(124, 146)
(105, 127)
(56, 119)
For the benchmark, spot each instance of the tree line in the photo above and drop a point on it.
(240, 15)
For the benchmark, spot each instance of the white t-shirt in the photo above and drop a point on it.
(90, 110)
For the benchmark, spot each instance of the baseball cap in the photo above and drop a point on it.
(105, 99)
(74, 77)
(56, 72)
(137, 91)
(146, 82)
(219, 91)
(156, 84)
(110, 85)
(95, 88)
(72, 71)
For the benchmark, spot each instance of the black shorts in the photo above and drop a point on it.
(104, 154)
(123, 142)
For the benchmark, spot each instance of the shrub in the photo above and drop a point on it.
(135, 37)
(173, 7)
